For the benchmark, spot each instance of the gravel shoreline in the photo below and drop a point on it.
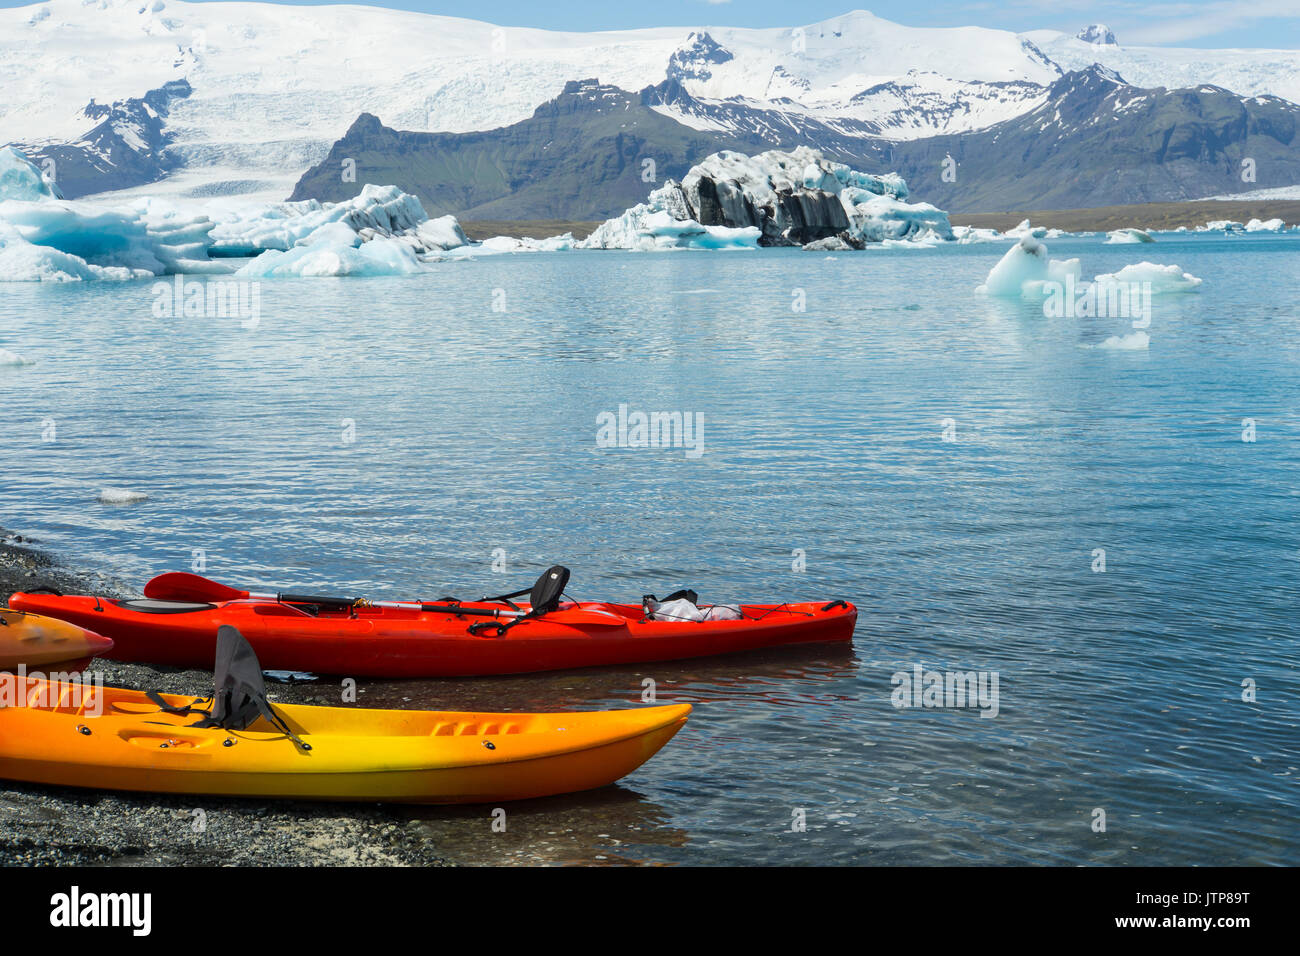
(42, 826)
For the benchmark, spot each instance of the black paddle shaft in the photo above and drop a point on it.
(324, 601)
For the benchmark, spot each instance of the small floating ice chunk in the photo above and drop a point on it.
(927, 242)
(1162, 278)
(828, 244)
(13, 358)
(1024, 268)
(121, 496)
(1132, 342)
(1034, 232)
(1027, 229)
(1121, 236)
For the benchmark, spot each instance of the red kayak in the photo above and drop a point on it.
(176, 624)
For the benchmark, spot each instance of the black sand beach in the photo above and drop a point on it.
(54, 825)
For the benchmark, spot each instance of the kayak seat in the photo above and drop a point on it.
(147, 606)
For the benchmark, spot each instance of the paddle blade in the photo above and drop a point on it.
(183, 586)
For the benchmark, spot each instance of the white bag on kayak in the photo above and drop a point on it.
(679, 610)
(683, 609)
(723, 612)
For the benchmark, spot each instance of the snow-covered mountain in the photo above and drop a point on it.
(1093, 140)
(1098, 34)
(1248, 72)
(272, 87)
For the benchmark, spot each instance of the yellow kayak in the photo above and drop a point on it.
(73, 735)
(33, 640)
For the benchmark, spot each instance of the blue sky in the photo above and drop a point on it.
(1203, 23)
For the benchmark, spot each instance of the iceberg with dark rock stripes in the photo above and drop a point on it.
(776, 198)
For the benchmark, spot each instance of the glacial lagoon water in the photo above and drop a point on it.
(388, 436)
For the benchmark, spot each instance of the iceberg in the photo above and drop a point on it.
(1120, 236)
(1162, 279)
(733, 201)
(22, 261)
(649, 227)
(1132, 342)
(377, 211)
(46, 238)
(113, 238)
(334, 250)
(1267, 225)
(1222, 225)
(498, 244)
(381, 231)
(121, 496)
(442, 234)
(1025, 228)
(21, 180)
(1023, 270)
(1026, 269)
(882, 218)
(829, 244)
(968, 235)
(12, 359)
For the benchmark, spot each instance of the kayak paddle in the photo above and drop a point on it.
(183, 586)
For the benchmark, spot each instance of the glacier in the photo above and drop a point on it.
(269, 92)
(269, 96)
